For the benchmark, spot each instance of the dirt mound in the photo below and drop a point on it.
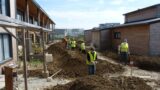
(58, 48)
(99, 83)
(73, 65)
(35, 73)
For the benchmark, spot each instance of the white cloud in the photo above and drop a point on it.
(131, 0)
(120, 2)
(101, 1)
(117, 2)
(73, 0)
(86, 19)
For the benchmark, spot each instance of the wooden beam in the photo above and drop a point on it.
(24, 61)
(44, 59)
(10, 33)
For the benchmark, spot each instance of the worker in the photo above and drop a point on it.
(91, 61)
(73, 44)
(123, 50)
(69, 43)
(82, 47)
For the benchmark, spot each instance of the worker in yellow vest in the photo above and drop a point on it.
(83, 47)
(91, 61)
(69, 43)
(73, 44)
(123, 50)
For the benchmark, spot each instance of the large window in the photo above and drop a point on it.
(20, 15)
(117, 35)
(36, 22)
(5, 47)
(0, 6)
(31, 19)
(5, 7)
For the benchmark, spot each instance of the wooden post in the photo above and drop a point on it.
(46, 74)
(24, 61)
(27, 33)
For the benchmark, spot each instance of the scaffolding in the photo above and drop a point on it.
(6, 22)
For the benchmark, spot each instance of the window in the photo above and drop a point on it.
(0, 6)
(5, 47)
(36, 22)
(30, 19)
(5, 7)
(20, 15)
(117, 35)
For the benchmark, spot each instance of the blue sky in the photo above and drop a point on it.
(90, 13)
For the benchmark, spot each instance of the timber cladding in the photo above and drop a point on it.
(155, 39)
(137, 36)
(105, 39)
(96, 39)
(88, 36)
(142, 15)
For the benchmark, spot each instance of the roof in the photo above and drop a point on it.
(137, 23)
(142, 9)
(34, 1)
(14, 23)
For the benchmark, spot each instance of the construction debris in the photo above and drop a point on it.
(95, 82)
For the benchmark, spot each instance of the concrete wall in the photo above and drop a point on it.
(13, 30)
(88, 36)
(141, 15)
(138, 38)
(14, 48)
(105, 39)
(155, 39)
(96, 39)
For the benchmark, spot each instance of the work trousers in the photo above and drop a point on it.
(124, 57)
(73, 48)
(91, 69)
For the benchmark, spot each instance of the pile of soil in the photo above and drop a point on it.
(58, 48)
(73, 64)
(99, 83)
(32, 73)
(35, 73)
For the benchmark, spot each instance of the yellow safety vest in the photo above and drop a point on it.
(82, 46)
(92, 58)
(73, 43)
(124, 47)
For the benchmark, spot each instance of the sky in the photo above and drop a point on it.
(87, 14)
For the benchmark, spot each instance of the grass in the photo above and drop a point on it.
(35, 63)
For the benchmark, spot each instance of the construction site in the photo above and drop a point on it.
(68, 71)
(112, 56)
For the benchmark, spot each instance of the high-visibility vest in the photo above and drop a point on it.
(73, 43)
(82, 46)
(92, 58)
(69, 42)
(124, 47)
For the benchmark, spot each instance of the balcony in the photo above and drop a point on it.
(31, 14)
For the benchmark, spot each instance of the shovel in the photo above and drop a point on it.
(49, 79)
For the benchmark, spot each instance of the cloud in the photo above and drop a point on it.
(101, 1)
(86, 19)
(73, 0)
(117, 2)
(120, 2)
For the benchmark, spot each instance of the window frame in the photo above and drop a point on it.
(10, 48)
(5, 8)
(117, 35)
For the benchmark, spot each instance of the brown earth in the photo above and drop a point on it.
(99, 83)
(73, 64)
